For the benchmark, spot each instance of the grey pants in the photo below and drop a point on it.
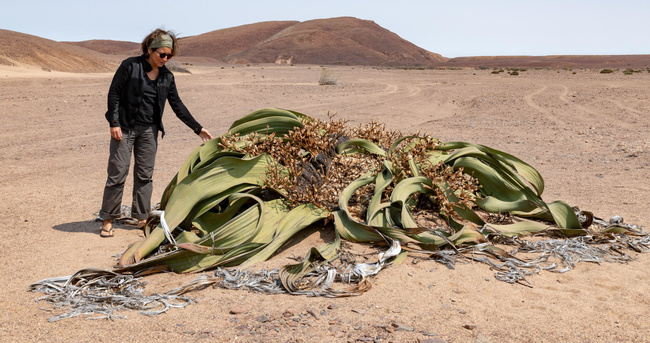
(142, 140)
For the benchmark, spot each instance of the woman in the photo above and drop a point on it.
(136, 100)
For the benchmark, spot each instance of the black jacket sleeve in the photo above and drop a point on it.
(119, 80)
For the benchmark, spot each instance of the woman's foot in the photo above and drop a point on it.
(107, 229)
(142, 224)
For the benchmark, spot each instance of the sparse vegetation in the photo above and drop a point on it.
(606, 71)
(177, 69)
(327, 77)
(630, 71)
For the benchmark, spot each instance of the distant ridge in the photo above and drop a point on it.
(19, 49)
(553, 61)
(110, 47)
(333, 41)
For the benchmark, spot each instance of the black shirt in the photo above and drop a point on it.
(147, 110)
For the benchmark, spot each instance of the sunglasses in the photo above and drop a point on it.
(163, 55)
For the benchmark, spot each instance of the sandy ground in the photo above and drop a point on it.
(587, 133)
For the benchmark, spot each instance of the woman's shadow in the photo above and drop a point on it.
(94, 225)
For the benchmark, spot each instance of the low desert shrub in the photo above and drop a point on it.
(327, 77)
(177, 69)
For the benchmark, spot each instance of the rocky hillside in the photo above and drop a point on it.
(345, 41)
(19, 49)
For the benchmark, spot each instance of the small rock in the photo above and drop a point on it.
(237, 310)
(262, 319)
(462, 311)
(469, 326)
(359, 311)
(313, 314)
(427, 333)
(332, 306)
(402, 327)
(334, 328)
(480, 338)
(433, 340)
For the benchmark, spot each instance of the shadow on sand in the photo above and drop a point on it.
(91, 226)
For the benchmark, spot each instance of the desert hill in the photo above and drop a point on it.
(221, 43)
(345, 40)
(19, 49)
(110, 47)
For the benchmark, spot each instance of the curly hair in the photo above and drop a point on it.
(146, 42)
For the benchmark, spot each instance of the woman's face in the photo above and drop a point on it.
(155, 56)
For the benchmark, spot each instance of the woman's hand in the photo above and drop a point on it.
(116, 132)
(205, 135)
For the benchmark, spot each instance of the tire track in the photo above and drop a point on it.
(530, 101)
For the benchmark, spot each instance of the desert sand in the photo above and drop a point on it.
(587, 133)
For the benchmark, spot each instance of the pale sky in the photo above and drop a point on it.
(452, 28)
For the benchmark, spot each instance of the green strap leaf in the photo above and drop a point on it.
(363, 144)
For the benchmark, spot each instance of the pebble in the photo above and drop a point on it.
(402, 327)
(433, 340)
(334, 328)
(480, 338)
(469, 326)
(313, 314)
(237, 310)
(262, 319)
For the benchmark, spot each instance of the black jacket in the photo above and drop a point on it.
(126, 91)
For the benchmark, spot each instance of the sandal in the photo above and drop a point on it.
(142, 224)
(107, 230)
